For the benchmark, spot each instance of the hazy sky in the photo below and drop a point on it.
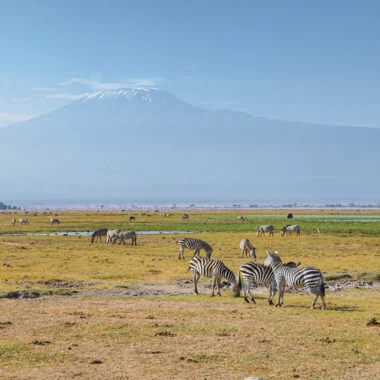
(293, 60)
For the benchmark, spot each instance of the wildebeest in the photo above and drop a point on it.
(54, 221)
(246, 247)
(263, 229)
(132, 218)
(290, 229)
(290, 216)
(185, 217)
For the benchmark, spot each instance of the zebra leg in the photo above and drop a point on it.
(245, 293)
(180, 253)
(281, 290)
(315, 300)
(272, 292)
(218, 285)
(196, 278)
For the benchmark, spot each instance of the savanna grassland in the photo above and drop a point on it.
(72, 309)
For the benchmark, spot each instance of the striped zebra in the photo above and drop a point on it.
(185, 217)
(111, 235)
(195, 244)
(23, 221)
(125, 235)
(98, 234)
(204, 266)
(263, 229)
(309, 277)
(255, 273)
(246, 247)
(290, 229)
(54, 221)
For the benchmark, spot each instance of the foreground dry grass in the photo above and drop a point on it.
(178, 336)
(185, 337)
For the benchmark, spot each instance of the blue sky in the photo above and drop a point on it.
(290, 60)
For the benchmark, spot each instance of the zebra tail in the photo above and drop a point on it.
(239, 282)
(322, 289)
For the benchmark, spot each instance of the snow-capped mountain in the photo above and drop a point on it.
(149, 143)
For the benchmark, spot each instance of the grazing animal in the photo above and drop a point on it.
(185, 217)
(23, 221)
(204, 266)
(263, 229)
(195, 244)
(125, 235)
(290, 216)
(309, 277)
(54, 221)
(111, 235)
(243, 218)
(246, 247)
(98, 234)
(131, 218)
(290, 229)
(13, 221)
(255, 273)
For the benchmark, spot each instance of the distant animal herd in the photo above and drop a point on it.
(272, 272)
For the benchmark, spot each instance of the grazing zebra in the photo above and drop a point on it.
(255, 273)
(132, 218)
(246, 246)
(54, 221)
(185, 217)
(195, 244)
(98, 234)
(23, 221)
(243, 218)
(111, 235)
(125, 235)
(204, 266)
(263, 229)
(290, 229)
(309, 277)
(13, 221)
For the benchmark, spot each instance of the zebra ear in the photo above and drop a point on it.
(276, 252)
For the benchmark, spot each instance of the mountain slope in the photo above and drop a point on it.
(148, 143)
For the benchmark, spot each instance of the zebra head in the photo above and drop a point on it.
(272, 259)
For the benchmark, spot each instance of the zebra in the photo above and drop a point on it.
(263, 229)
(13, 221)
(125, 235)
(243, 218)
(255, 273)
(111, 235)
(185, 217)
(309, 277)
(98, 234)
(290, 229)
(195, 244)
(217, 270)
(246, 246)
(54, 221)
(23, 221)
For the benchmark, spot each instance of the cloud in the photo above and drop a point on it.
(97, 85)
(43, 89)
(66, 95)
(11, 118)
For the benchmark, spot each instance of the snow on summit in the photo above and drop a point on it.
(144, 94)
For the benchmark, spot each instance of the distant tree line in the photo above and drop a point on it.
(3, 206)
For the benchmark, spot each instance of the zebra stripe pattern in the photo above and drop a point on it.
(263, 229)
(309, 277)
(111, 235)
(290, 229)
(254, 273)
(246, 247)
(204, 266)
(125, 235)
(98, 234)
(195, 244)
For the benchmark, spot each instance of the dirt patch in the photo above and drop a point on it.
(56, 283)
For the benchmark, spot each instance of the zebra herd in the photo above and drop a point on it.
(26, 221)
(112, 236)
(272, 272)
(286, 230)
